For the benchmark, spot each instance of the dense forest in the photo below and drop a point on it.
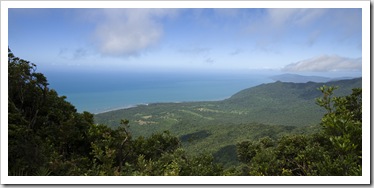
(47, 136)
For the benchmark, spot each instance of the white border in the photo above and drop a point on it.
(366, 87)
(184, 4)
(364, 179)
(4, 94)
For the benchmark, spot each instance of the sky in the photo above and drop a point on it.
(287, 40)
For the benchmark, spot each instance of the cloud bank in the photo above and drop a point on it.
(129, 31)
(325, 63)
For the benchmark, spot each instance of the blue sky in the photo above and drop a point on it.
(289, 40)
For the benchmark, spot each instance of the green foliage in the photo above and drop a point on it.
(226, 156)
(202, 165)
(156, 145)
(343, 127)
(334, 151)
(246, 151)
(43, 172)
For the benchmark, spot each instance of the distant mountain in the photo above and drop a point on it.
(284, 103)
(341, 78)
(295, 78)
(271, 109)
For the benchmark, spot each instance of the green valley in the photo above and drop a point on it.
(271, 110)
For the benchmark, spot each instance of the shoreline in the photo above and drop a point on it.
(152, 103)
(120, 108)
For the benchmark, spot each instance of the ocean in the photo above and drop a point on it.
(98, 92)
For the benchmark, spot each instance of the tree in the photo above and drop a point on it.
(45, 131)
(26, 96)
(335, 150)
(342, 125)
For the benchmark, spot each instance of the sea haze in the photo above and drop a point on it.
(97, 92)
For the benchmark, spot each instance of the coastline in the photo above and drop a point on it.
(109, 101)
(120, 108)
(153, 103)
(185, 101)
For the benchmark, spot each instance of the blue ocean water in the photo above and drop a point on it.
(97, 92)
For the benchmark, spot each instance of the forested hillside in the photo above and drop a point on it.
(47, 136)
(279, 103)
(271, 110)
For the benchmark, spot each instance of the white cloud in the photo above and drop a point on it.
(348, 22)
(195, 51)
(313, 37)
(80, 53)
(227, 12)
(281, 16)
(129, 31)
(273, 27)
(325, 63)
(209, 60)
(235, 52)
(73, 54)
